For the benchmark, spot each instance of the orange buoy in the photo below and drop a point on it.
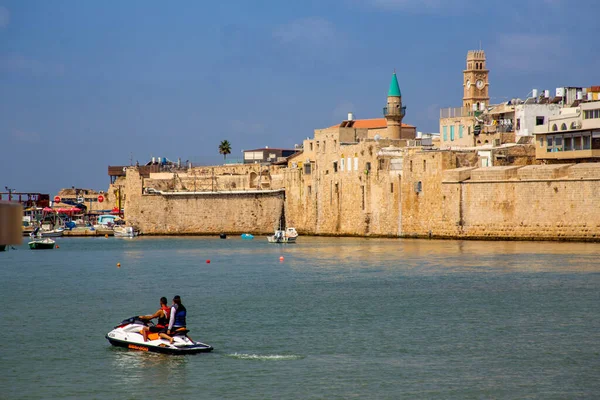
(57, 247)
(281, 258)
(106, 235)
(118, 265)
(208, 261)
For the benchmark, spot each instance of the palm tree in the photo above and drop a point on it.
(225, 148)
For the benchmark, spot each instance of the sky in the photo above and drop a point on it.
(87, 84)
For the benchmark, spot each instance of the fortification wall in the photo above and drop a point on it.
(545, 202)
(201, 213)
(351, 192)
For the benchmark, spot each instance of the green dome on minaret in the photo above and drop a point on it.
(394, 87)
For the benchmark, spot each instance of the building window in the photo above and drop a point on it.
(586, 143)
(563, 127)
(391, 188)
(368, 166)
(549, 142)
(311, 146)
(554, 128)
(342, 162)
(335, 166)
(445, 133)
(452, 133)
(460, 131)
(307, 168)
(568, 144)
(573, 125)
(418, 187)
(317, 145)
(589, 114)
(337, 188)
(410, 165)
(334, 145)
(518, 124)
(539, 121)
(577, 143)
(424, 165)
(309, 190)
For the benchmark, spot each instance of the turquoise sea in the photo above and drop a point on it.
(338, 318)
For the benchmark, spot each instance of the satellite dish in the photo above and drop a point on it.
(377, 137)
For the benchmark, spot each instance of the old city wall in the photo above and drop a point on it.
(537, 202)
(256, 212)
(349, 191)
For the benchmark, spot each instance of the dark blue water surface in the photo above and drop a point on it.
(336, 319)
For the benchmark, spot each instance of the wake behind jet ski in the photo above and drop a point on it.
(128, 334)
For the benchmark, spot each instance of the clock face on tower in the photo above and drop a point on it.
(468, 83)
(479, 84)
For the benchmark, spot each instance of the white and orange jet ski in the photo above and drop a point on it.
(128, 334)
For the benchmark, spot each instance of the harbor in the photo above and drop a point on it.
(364, 318)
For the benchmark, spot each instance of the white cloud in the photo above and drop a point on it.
(529, 52)
(27, 137)
(4, 17)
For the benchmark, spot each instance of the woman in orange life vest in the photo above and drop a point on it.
(163, 314)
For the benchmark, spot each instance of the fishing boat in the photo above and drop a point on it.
(42, 244)
(288, 235)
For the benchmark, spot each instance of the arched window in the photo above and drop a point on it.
(563, 127)
(573, 125)
(554, 128)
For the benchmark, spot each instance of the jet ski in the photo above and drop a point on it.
(128, 334)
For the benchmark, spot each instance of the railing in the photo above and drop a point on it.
(394, 112)
(457, 112)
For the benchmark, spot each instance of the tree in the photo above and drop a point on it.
(225, 148)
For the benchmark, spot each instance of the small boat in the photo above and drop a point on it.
(57, 232)
(124, 231)
(223, 236)
(288, 235)
(247, 236)
(42, 244)
(3, 247)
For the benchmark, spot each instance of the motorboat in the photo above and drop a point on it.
(57, 232)
(128, 334)
(42, 244)
(288, 235)
(247, 236)
(124, 231)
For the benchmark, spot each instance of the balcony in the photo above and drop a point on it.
(458, 112)
(394, 112)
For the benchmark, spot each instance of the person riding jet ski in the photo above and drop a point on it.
(163, 315)
(177, 318)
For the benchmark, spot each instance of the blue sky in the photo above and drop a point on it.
(87, 84)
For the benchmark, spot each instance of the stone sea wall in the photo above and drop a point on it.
(201, 213)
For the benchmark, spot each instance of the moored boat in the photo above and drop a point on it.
(288, 235)
(42, 244)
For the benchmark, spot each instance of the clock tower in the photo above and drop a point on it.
(475, 81)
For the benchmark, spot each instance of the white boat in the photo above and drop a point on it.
(288, 235)
(124, 231)
(57, 232)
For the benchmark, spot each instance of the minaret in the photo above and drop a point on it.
(394, 112)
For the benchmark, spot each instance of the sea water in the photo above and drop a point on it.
(336, 318)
